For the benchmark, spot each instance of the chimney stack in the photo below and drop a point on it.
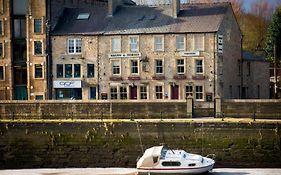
(112, 6)
(175, 8)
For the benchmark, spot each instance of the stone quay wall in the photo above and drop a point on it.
(258, 108)
(119, 144)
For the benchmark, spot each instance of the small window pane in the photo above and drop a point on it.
(113, 93)
(189, 91)
(1, 31)
(159, 92)
(77, 70)
(158, 40)
(39, 97)
(116, 44)
(37, 48)
(143, 92)
(199, 92)
(93, 93)
(59, 70)
(90, 70)
(134, 44)
(1, 73)
(159, 66)
(199, 66)
(38, 71)
(180, 43)
(37, 25)
(1, 50)
(68, 71)
(180, 66)
(123, 93)
(134, 67)
(115, 67)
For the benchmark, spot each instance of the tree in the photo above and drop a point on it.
(274, 35)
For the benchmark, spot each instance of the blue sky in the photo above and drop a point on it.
(248, 3)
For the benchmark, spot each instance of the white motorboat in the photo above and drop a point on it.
(160, 160)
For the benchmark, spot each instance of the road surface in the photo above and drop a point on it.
(130, 171)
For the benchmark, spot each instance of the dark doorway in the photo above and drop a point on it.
(174, 92)
(133, 92)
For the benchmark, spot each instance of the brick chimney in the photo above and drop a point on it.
(112, 6)
(175, 8)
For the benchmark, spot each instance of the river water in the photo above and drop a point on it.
(130, 171)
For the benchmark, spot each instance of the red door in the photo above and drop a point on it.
(174, 92)
(133, 93)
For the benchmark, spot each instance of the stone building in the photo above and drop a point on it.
(23, 50)
(255, 77)
(166, 52)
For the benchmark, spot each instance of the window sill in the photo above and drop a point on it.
(115, 78)
(180, 77)
(159, 77)
(134, 78)
(198, 77)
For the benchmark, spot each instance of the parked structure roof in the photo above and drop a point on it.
(132, 19)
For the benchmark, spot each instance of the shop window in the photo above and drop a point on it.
(159, 66)
(199, 92)
(68, 71)
(134, 44)
(159, 92)
(90, 70)
(180, 42)
(77, 70)
(93, 93)
(180, 66)
(38, 71)
(134, 67)
(123, 93)
(38, 47)
(159, 43)
(189, 91)
(38, 25)
(143, 92)
(115, 67)
(199, 66)
(113, 93)
(74, 46)
(59, 70)
(1, 72)
(116, 44)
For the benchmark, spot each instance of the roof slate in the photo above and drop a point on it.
(193, 18)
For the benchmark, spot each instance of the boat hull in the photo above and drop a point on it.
(175, 171)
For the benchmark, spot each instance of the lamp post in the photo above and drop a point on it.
(275, 71)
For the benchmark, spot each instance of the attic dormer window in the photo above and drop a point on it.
(83, 16)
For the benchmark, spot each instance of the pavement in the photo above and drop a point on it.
(130, 171)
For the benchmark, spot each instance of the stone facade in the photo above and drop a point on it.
(19, 61)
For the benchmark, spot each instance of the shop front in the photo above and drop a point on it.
(68, 90)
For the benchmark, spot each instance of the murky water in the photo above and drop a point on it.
(130, 171)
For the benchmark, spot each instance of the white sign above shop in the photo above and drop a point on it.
(190, 54)
(67, 84)
(124, 55)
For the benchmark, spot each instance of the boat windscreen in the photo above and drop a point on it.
(163, 153)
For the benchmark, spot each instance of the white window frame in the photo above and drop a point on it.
(184, 63)
(114, 93)
(34, 69)
(89, 92)
(119, 41)
(159, 92)
(122, 93)
(142, 92)
(75, 52)
(42, 49)
(195, 37)
(195, 92)
(131, 67)
(184, 43)
(162, 44)
(3, 72)
(155, 66)
(195, 66)
(137, 43)
(190, 92)
(112, 69)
